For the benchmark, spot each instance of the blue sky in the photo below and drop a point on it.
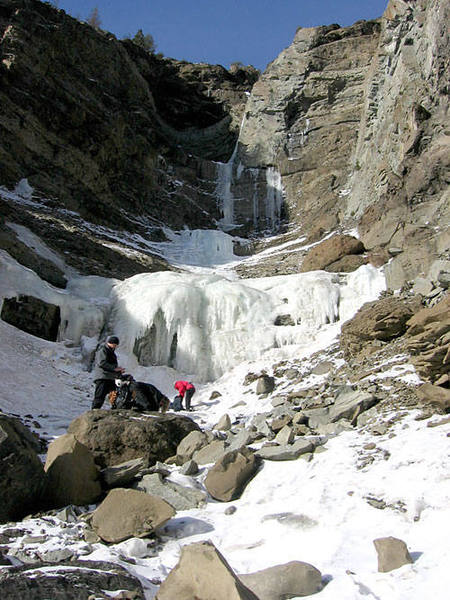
(217, 32)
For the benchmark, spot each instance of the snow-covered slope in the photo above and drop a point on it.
(327, 511)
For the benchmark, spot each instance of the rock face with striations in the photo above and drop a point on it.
(303, 117)
(103, 125)
(354, 119)
(401, 190)
(346, 129)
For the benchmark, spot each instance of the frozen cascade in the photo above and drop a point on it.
(197, 247)
(274, 197)
(205, 325)
(268, 206)
(223, 191)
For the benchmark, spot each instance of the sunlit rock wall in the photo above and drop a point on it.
(400, 188)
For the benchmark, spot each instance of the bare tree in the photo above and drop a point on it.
(94, 19)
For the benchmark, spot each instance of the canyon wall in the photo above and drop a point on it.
(347, 129)
(356, 121)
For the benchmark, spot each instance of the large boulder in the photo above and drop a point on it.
(194, 441)
(350, 403)
(227, 479)
(203, 573)
(22, 476)
(435, 395)
(210, 453)
(377, 322)
(129, 513)
(72, 475)
(265, 384)
(280, 582)
(428, 340)
(116, 436)
(331, 251)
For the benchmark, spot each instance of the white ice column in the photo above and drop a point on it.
(224, 196)
(274, 197)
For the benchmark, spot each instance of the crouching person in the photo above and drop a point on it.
(185, 391)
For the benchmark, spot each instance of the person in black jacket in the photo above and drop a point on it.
(106, 370)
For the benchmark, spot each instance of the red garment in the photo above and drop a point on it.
(182, 386)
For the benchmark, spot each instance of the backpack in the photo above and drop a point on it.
(177, 404)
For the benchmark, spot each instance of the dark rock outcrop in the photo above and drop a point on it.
(32, 315)
(24, 255)
(116, 436)
(92, 120)
(70, 580)
(22, 476)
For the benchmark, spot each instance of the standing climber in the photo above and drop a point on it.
(185, 390)
(106, 370)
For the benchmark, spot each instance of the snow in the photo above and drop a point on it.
(316, 511)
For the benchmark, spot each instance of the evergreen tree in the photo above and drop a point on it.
(145, 41)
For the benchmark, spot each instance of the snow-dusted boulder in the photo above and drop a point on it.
(202, 572)
(227, 479)
(116, 436)
(125, 514)
(223, 424)
(178, 496)
(290, 580)
(287, 451)
(72, 475)
(376, 322)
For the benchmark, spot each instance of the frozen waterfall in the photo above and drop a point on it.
(206, 325)
(248, 195)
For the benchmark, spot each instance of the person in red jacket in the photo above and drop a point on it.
(185, 390)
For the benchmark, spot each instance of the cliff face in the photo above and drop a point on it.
(347, 128)
(303, 117)
(401, 191)
(356, 121)
(103, 126)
